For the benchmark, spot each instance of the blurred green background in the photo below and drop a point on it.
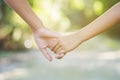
(97, 59)
(58, 15)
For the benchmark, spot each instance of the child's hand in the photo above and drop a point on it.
(66, 43)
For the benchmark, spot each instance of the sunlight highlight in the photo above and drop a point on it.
(28, 43)
(98, 7)
(65, 24)
(109, 55)
(17, 34)
(18, 72)
(78, 4)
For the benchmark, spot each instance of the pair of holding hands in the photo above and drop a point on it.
(57, 43)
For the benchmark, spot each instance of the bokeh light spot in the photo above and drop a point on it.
(28, 43)
(98, 7)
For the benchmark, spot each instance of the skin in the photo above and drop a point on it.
(62, 44)
(44, 38)
(102, 23)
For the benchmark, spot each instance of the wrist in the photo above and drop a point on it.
(79, 37)
(35, 24)
(37, 29)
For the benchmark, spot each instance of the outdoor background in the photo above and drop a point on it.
(96, 59)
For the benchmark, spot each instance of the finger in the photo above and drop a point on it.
(52, 43)
(46, 54)
(42, 46)
(60, 54)
(56, 47)
(57, 43)
(41, 43)
(58, 50)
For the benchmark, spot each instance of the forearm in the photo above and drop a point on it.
(23, 8)
(102, 23)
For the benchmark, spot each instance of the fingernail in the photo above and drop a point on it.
(62, 55)
(59, 56)
(50, 59)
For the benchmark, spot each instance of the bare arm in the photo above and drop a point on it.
(102, 23)
(42, 36)
(23, 8)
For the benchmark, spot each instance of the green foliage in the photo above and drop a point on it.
(59, 15)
